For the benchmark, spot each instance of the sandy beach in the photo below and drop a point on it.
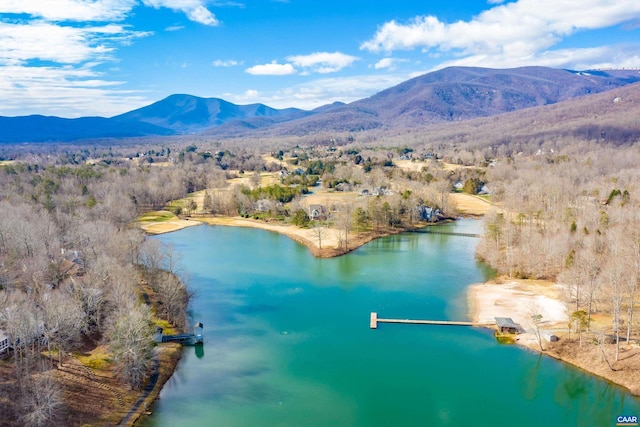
(168, 226)
(520, 299)
(305, 236)
(165, 222)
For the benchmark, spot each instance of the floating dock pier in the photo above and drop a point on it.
(448, 233)
(374, 320)
(185, 339)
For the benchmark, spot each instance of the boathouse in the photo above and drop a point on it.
(506, 325)
(197, 332)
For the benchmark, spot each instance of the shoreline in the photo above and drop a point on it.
(304, 236)
(168, 356)
(163, 221)
(169, 363)
(515, 298)
(518, 299)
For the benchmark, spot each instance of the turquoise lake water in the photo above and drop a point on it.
(287, 341)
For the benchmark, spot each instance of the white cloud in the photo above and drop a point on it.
(61, 44)
(175, 28)
(513, 31)
(318, 62)
(603, 57)
(219, 3)
(324, 91)
(272, 69)
(102, 10)
(226, 63)
(388, 63)
(62, 91)
(70, 10)
(323, 62)
(50, 51)
(194, 9)
(251, 93)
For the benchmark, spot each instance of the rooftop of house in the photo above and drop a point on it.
(506, 322)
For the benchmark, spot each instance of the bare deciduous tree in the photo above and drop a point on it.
(41, 402)
(63, 321)
(319, 231)
(131, 342)
(344, 219)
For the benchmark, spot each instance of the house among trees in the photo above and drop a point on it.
(282, 174)
(506, 325)
(4, 343)
(317, 212)
(427, 213)
(343, 186)
(484, 190)
(381, 191)
(73, 264)
(264, 205)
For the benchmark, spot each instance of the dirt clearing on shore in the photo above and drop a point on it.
(518, 299)
(467, 204)
(521, 299)
(159, 222)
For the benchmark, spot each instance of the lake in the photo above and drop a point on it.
(287, 341)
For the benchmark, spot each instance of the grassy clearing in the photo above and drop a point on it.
(167, 328)
(157, 216)
(470, 205)
(98, 359)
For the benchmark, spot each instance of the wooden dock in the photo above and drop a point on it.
(374, 320)
(448, 233)
(184, 339)
(196, 338)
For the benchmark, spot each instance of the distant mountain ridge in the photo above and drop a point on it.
(37, 128)
(458, 93)
(191, 114)
(450, 94)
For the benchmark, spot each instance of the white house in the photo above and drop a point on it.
(317, 212)
(4, 342)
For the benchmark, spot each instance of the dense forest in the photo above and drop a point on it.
(571, 216)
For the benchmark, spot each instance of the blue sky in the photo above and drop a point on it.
(75, 58)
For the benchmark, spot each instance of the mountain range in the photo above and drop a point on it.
(449, 95)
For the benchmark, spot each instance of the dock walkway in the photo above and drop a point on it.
(374, 320)
(448, 233)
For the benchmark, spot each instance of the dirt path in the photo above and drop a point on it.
(129, 419)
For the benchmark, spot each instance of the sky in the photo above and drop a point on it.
(72, 58)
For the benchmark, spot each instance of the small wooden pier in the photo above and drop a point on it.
(185, 339)
(448, 233)
(374, 320)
